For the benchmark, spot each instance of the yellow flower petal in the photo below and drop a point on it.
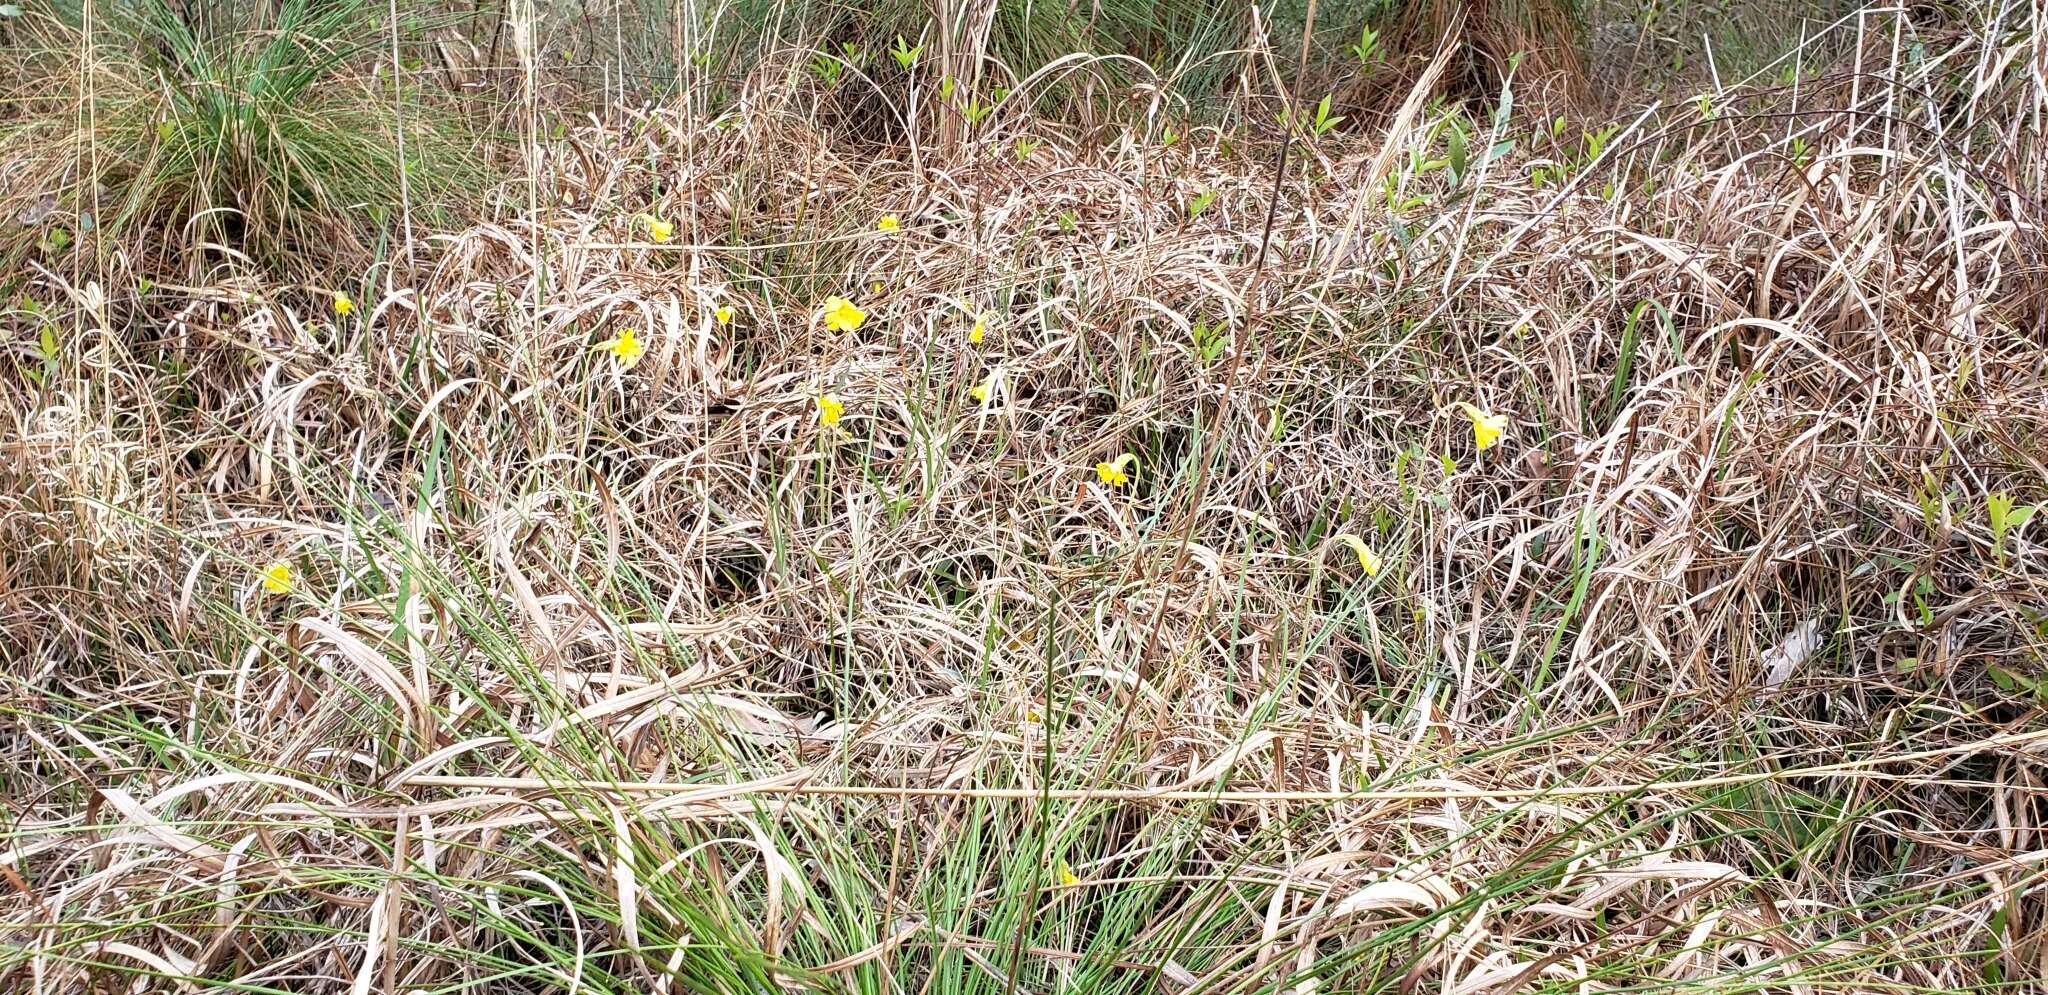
(1368, 560)
(842, 316)
(985, 389)
(979, 330)
(1116, 472)
(888, 223)
(277, 578)
(659, 230)
(626, 350)
(1068, 878)
(829, 410)
(1487, 428)
(724, 314)
(343, 306)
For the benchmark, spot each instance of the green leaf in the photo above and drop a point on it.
(905, 54)
(1324, 121)
(1596, 141)
(1368, 48)
(1455, 151)
(827, 68)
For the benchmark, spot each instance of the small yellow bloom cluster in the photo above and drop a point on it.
(277, 577)
(626, 349)
(985, 390)
(1368, 560)
(842, 315)
(1116, 472)
(1487, 428)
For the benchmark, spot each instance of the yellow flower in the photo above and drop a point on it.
(1486, 427)
(1068, 878)
(979, 330)
(724, 314)
(1368, 560)
(659, 230)
(626, 349)
(342, 305)
(888, 223)
(277, 578)
(875, 288)
(829, 410)
(842, 316)
(985, 389)
(1116, 472)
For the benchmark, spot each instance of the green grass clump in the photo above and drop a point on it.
(255, 130)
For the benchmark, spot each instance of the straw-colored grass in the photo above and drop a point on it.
(1716, 673)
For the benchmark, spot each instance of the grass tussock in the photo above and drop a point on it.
(192, 141)
(1478, 554)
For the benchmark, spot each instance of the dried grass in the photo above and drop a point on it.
(921, 704)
